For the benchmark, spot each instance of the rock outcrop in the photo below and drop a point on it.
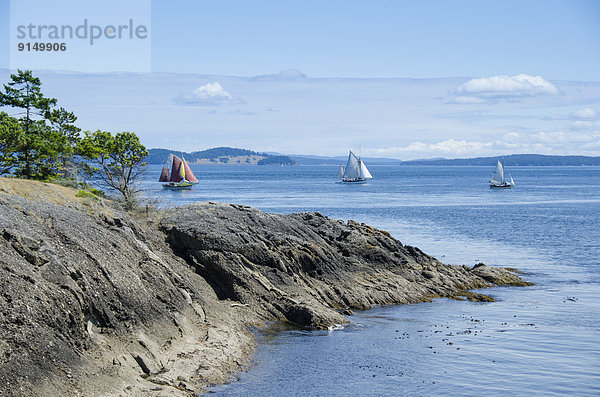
(307, 268)
(96, 302)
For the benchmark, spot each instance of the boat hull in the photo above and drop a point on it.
(178, 187)
(503, 186)
(354, 180)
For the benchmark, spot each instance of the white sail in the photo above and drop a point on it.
(340, 172)
(500, 170)
(498, 175)
(352, 170)
(364, 171)
(512, 182)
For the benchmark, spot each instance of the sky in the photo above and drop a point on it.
(349, 38)
(401, 79)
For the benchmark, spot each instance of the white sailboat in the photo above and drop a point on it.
(355, 170)
(498, 180)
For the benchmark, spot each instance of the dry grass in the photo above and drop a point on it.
(52, 193)
(39, 191)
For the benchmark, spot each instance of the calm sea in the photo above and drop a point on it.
(540, 340)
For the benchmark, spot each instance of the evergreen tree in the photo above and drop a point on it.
(24, 92)
(11, 137)
(45, 150)
(66, 139)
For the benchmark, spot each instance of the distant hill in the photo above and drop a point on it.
(276, 160)
(514, 160)
(220, 155)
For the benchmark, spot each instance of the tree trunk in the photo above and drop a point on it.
(27, 164)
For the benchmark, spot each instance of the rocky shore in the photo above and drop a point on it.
(96, 301)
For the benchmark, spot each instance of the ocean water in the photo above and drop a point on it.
(539, 340)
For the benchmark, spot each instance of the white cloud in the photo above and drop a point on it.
(447, 148)
(591, 147)
(467, 100)
(207, 94)
(544, 142)
(461, 147)
(210, 92)
(557, 139)
(585, 114)
(584, 124)
(502, 87)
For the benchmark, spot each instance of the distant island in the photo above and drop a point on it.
(514, 160)
(220, 155)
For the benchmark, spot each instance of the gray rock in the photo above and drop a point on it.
(93, 301)
(272, 261)
(79, 290)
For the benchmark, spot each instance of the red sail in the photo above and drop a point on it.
(164, 175)
(175, 170)
(189, 175)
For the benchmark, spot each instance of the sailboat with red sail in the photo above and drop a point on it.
(181, 176)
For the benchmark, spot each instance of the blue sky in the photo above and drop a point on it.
(402, 79)
(556, 39)
(349, 38)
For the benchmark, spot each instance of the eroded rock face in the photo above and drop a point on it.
(306, 268)
(95, 302)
